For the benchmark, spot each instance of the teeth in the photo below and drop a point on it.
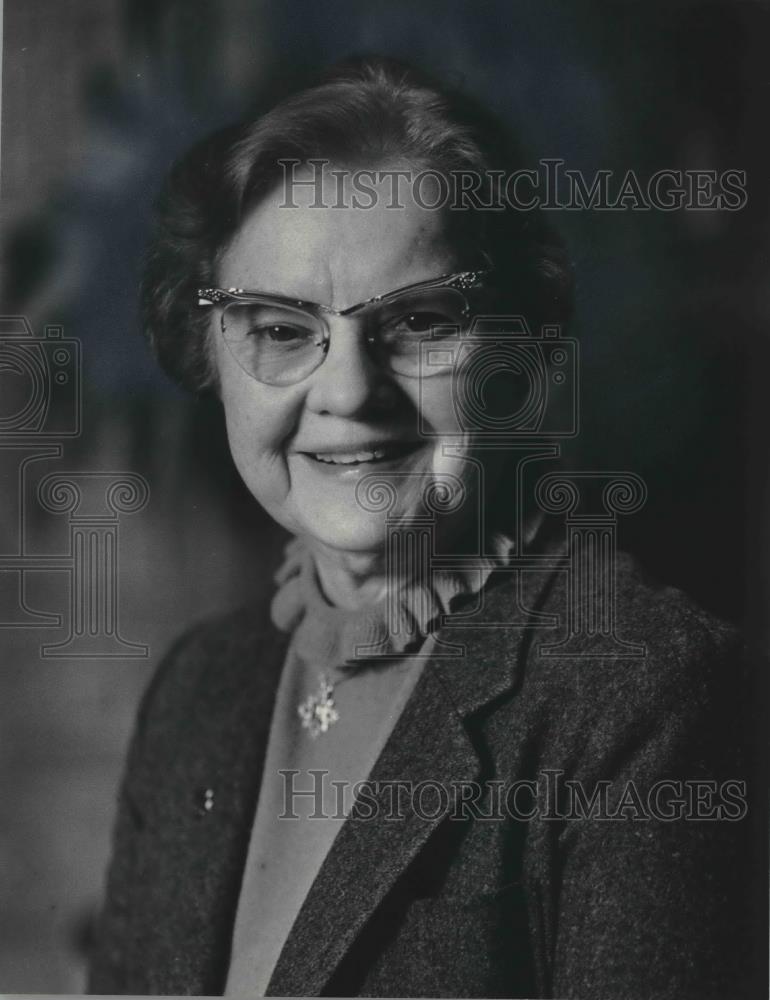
(351, 458)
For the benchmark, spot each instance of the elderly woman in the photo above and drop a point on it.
(362, 789)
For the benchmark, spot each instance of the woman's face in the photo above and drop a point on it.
(302, 448)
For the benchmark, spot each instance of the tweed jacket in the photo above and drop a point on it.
(471, 901)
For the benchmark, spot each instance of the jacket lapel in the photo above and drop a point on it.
(368, 855)
(429, 742)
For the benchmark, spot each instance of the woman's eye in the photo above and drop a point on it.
(280, 333)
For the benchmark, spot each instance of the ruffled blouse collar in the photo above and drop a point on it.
(330, 636)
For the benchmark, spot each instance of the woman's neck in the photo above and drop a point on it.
(350, 579)
(356, 579)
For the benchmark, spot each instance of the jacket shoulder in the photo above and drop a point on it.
(627, 615)
(199, 653)
(666, 613)
(666, 671)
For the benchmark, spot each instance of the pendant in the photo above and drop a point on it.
(317, 711)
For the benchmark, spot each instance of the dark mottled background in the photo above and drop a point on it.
(98, 98)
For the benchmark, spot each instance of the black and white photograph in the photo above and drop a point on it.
(385, 478)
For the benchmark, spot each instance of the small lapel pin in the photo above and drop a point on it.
(205, 801)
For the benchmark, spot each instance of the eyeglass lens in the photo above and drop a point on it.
(280, 345)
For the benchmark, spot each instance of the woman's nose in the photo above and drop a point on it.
(349, 383)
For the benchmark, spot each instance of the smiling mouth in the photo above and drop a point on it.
(384, 453)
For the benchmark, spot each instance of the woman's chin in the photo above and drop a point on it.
(345, 533)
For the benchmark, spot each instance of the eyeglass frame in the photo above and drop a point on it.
(462, 281)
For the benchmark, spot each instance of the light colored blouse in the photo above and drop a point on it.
(299, 810)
